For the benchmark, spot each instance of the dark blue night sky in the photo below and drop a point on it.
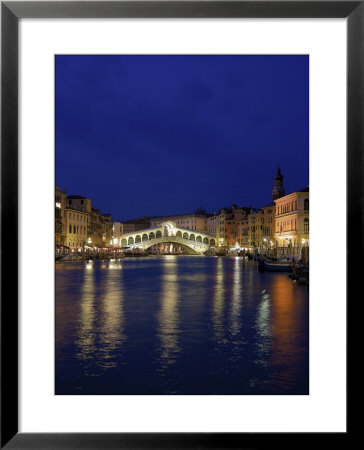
(159, 135)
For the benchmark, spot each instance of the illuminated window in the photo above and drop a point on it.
(306, 225)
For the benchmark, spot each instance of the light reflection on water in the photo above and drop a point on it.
(217, 317)
(101, 322)
(179, 325)
(236, 306)
(168, 315)
(85, 341)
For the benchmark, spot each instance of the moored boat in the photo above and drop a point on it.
(279, 265)
(300, 272)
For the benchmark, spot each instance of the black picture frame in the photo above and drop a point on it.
(11, 12)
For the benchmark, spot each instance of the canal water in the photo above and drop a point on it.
(179, 325)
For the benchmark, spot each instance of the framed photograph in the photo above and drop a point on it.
(173, 274)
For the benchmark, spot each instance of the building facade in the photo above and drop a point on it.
(107, 230)
(86, 226)
(211, 223)
(77, 225)
(195, 221)
(60, 216)
(228, 229)
(95, 229)
(244, 233)
(117, 232)
(268, 237)
(255, 228)
(292, 219)
(136, 224)
(79, 203)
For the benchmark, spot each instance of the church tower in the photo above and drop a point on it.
(278, 190)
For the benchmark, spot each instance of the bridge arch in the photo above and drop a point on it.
(196, 242)
(189, 249)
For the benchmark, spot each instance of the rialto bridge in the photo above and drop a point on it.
(192, 241)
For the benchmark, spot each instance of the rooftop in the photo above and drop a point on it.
(77, 197)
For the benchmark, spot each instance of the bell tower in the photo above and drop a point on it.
(278, 190)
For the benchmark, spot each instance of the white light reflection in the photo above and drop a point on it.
(86, 332)
(217, 315)
(237, 298)
(112, 321)
(168, 315)
(263, 327)
(101, 323)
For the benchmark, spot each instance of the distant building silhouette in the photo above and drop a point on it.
(278, 190)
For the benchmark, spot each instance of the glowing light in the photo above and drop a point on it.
(170, 228)
(58, 205)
